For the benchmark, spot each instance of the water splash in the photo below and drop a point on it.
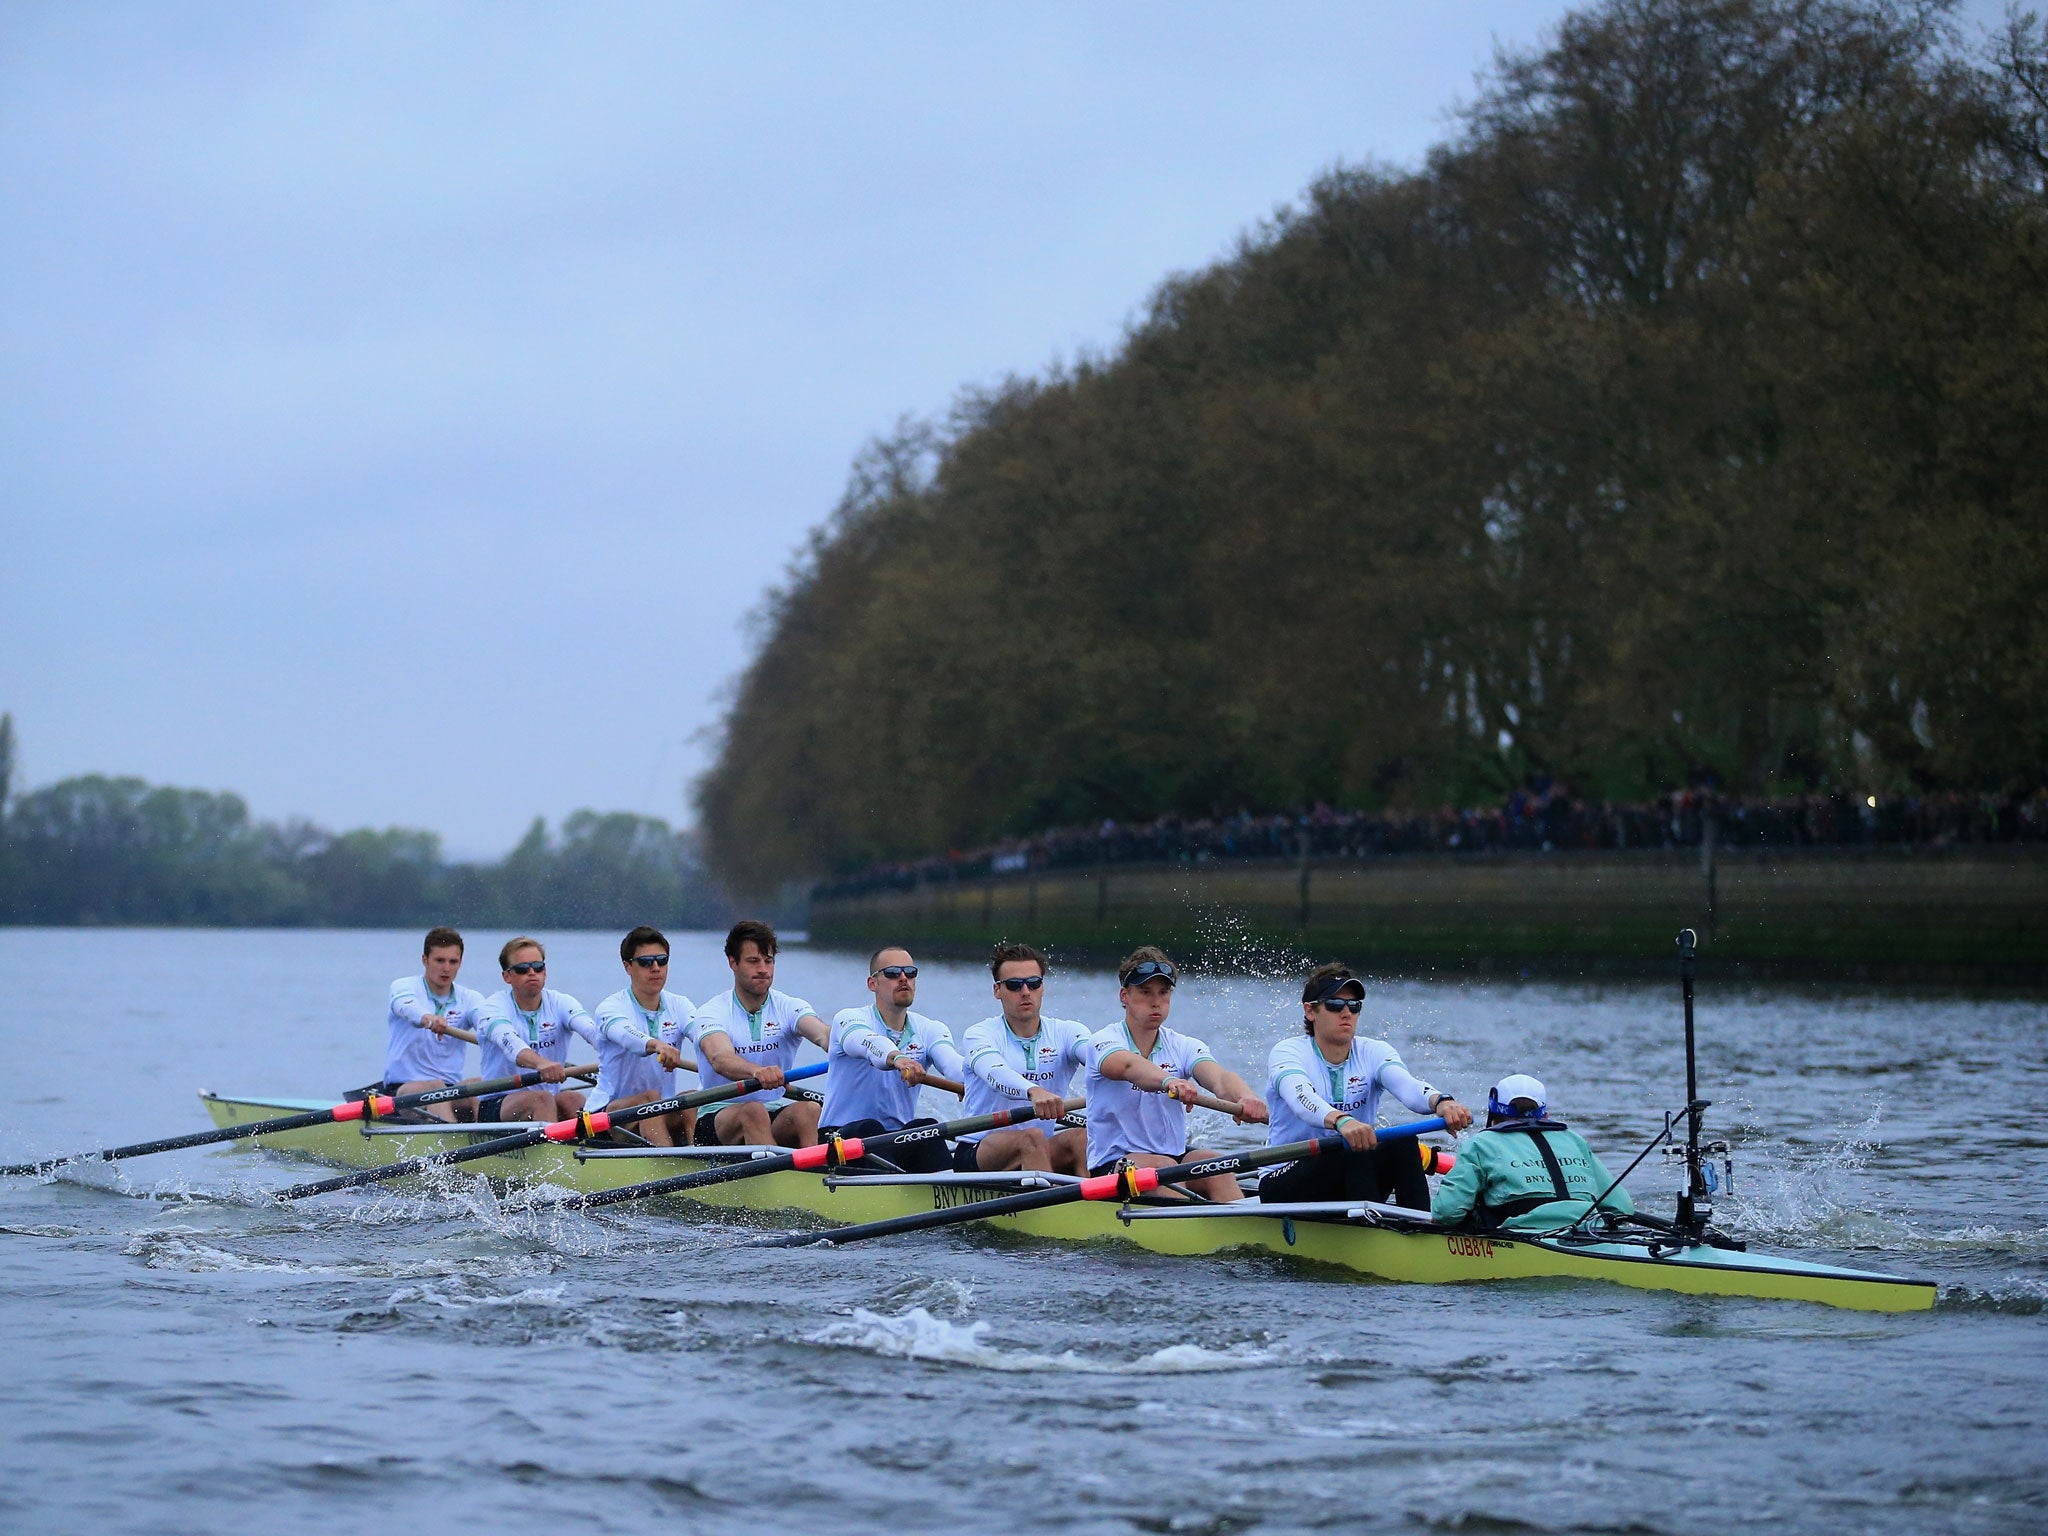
(917, 1335)
(1793, 1195)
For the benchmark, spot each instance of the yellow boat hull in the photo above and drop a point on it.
(1410, 1256)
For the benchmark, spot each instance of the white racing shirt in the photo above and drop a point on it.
(416, 1055)
(1003, 1068)
(504, 1029)
(764, 1039)
(624, 1027)
(1302, 1086)
(1122, 1119)
(859, 1087)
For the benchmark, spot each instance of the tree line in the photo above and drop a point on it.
(98, 849)
(1683, 418)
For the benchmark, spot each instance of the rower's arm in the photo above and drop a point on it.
(1220, 1081)
(1226, 1084)
(1409, 1089)
(582, 1024)
(626, 1035)
(1130, 1067)
(987, 1064)
(714, 1048)
(865, 1041)
(815, 1030)
(945, 1055)
(1293, 1088)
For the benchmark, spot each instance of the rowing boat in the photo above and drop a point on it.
(1383, 1241)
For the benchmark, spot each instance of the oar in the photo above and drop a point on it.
(370, 1107)
(1125, 1184)
(834, 1153)
(581, 1127)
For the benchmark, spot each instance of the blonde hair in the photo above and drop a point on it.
(513, 946)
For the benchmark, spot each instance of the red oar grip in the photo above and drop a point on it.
(581, 1125)
(1125, 1183)
(377, 1104)
(820, 1156)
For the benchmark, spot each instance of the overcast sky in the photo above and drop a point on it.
(402, 407)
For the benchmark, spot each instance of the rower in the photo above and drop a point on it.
(1330, 1078)
(1137, 1069)
(754, 1031)
(526, 1028)
(419, 1053)
(1526, 1172)
(877, 1061)
(1022, 1054)
(639, 1027)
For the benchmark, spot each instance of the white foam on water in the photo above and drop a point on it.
(456, 1301)
(917, 1335)
(184, 1249)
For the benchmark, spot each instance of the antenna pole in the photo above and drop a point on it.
(1693, 1212)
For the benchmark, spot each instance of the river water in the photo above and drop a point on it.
(176, 1362)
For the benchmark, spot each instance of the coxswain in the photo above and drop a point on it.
(1138, 1068)
(526, 1028)
(754, 1031)
(1330, 1078)
(1022, 1054)
(1526, 1172)
(878, 1059)
(640, 1032)
(419, 1053)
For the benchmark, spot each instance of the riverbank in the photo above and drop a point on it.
(1969, 915)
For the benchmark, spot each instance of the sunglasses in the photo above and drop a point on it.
(649, 962)
(527, 967)
(897, 972)
(1344, 1004)
(1150, 970)
(1021, 983)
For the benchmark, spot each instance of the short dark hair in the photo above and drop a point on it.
(513, 946)
(440, 938)
(1011, 953)
(1139, 956)
(1319, 979)
(640, 938)
(1319, 984)
(883, 951)
(747, 930)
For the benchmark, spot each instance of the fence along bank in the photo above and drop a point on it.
(1975, 912)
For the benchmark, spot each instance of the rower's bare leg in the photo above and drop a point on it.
(743, 1125)
(662, 1130)
(999, 1151)
(797, 1126)
(1221, 1186)
(436, 1111)
(569, 1104)
(465, 1109)
(1218, 1187)
(1068, 1151)
(527, 1104)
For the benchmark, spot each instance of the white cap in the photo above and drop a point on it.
(1517, 1085)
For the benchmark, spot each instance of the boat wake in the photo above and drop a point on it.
(917, 1335)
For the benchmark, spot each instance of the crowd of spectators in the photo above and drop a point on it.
(1543, 817)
